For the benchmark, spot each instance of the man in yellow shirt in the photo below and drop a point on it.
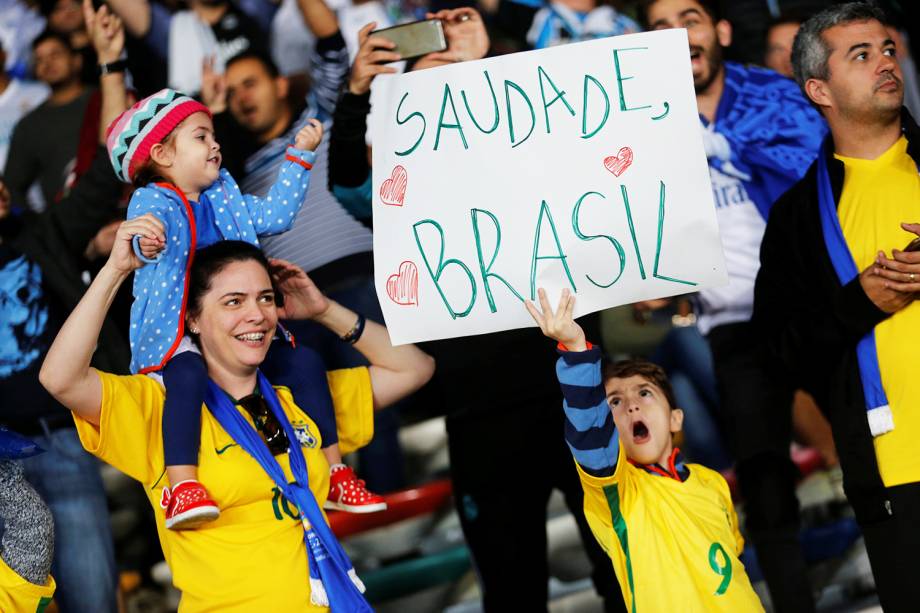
(654, 515)
(837, 286)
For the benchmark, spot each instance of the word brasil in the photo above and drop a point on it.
(517, 117)
(436, 266)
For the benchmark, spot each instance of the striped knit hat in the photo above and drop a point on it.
(130, 137)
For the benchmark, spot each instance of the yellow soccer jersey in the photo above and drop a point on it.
(674, 545)
(877, 196)
(19, 596)
(252, 558)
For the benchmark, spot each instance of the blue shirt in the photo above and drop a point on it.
(206, 231)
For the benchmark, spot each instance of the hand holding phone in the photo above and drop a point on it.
(415, 39)
(373, 53)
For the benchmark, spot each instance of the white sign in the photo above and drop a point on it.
(580, 166)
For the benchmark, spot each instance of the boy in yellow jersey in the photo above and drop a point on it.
(27, 538)
(669, 528)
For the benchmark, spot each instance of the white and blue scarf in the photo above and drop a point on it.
(878, 411)
(333, 581)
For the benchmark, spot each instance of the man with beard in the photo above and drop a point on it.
(836, 293)
(44, 142)
(759, 134)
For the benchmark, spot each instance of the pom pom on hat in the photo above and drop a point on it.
(130, 137)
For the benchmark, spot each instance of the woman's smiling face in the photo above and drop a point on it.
(237, 318)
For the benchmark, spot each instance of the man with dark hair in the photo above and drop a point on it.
(837, 286)
(759, 134)
(777, 54)
(44, 144)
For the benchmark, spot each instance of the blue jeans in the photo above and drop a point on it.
(67, 478)
(685, 356)
(381, 460)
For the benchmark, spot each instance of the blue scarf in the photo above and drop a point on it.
(878, 411)
(333, 581)
(771, 133)
(14, 446)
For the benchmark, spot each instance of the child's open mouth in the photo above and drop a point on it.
(640, 433)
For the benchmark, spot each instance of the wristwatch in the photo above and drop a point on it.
(116, 66)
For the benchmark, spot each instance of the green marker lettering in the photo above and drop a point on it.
(560, 255)
(533, 116)
(621, 79)
(584, 108)
(591, 237)
(560, 95)
(632, 230)
(442, 264)
(658, 245)
(469, 112)
(406, 120)
(453, 126)
(486, 270)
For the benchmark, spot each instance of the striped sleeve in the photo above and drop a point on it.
(589, 429)
(329, 69)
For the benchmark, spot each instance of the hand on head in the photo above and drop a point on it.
(466, 35)
(302, 299)
(309, 136)
(373, 53)
(558, 325)
(105, 30)
(153, 241)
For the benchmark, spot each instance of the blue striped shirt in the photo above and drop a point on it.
(323, 231)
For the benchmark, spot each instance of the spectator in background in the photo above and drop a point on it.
(20, 23)
(17, 98)
(41, 281)
(778, 52)
(836, 293)
(759, 133)
(216, 29)
(44, 143)
(66, 17)
(537, 24)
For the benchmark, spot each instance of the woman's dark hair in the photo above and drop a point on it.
(213, 259)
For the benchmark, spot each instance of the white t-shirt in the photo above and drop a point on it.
(17, 99)
(741, 227)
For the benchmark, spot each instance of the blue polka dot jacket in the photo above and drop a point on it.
(158, 311)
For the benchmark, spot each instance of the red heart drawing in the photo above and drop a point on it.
(393, 190)
(617, 164)
(402, 288)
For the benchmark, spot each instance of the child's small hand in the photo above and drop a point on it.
(150, 247)
(559, 326)
(310, 135)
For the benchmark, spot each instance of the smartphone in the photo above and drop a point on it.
(914, 245)
(415, 39)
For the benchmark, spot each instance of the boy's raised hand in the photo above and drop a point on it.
(559, 326)
(309, 136)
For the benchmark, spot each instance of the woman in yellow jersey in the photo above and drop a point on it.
(254, 557)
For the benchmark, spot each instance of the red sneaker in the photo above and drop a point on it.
(348, 493)
(188, 506)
